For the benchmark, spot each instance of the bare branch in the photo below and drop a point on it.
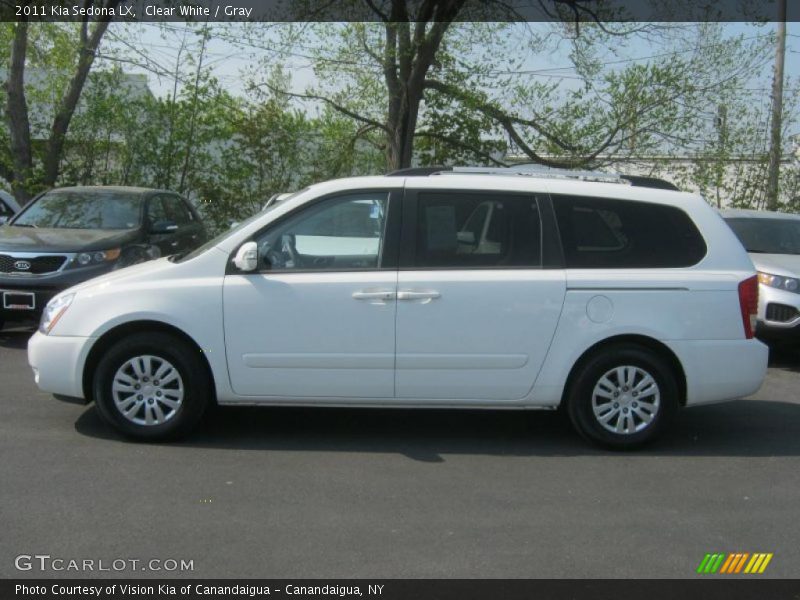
(329, 102)
(497, 114)
(362, 38)
(457, 143)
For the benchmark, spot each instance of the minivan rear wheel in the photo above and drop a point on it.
(152, 386)
(623, 397)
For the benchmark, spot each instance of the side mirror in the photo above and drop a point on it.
(161, 227)
(246, 259)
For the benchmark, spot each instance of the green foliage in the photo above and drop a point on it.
(231, 153)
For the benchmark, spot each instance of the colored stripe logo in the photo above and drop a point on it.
(734, 563)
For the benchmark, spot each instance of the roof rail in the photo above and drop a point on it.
(539, 171)
(417, 171)
(651, 182)
(534, 170)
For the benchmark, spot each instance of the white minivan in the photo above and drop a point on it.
(461, 288)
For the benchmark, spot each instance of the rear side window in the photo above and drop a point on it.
(177, 210)
(601, 233)
(473, 230)
(156, 211)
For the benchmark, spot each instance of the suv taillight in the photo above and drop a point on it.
(748, 302)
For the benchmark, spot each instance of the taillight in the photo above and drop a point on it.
(748, 302)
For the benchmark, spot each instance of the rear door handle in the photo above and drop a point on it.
(418, 295)
(384, 295)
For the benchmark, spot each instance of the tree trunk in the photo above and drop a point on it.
(187, 161)
(777, 109)
(66, 108)
(407, 59)
(17, 116)
(400, 137)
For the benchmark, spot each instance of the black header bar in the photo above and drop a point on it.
(583, 11)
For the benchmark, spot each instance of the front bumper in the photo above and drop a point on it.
(58, 363)
(778, 314)
(44, 287)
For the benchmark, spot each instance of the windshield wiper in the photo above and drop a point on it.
(23, 225)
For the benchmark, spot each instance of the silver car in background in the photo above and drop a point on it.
(772, 240)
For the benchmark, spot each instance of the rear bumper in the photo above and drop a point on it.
(718, 370)
(57, 363)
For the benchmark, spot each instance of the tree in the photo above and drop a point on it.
(24, 179)
(423, 72)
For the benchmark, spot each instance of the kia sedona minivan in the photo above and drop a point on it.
(69, 235)
(468, 288)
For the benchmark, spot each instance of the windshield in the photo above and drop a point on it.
(768, 236)
(84, 210)
(213, 242)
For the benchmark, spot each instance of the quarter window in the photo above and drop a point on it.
(344, 233)
(600, 233)
(469, 230)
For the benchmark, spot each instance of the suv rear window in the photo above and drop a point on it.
(601, 233)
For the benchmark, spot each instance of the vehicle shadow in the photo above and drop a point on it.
(785, 356)
(16, 337)
(741, 428)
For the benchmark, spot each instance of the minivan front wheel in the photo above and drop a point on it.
(152, 386)
(623, 397)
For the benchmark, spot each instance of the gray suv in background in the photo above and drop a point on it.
(68, 235)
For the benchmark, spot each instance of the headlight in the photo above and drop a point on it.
(53, 312)
(85, 259)
(790, 284)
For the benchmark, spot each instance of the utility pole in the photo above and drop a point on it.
(722, 143)
(777, 109)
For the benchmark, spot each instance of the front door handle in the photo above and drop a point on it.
(426, 296)
(384, 295)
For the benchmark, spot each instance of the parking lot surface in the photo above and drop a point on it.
(286, 493)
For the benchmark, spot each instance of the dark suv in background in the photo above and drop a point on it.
(68, 235)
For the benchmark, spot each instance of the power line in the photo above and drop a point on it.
(627, 60)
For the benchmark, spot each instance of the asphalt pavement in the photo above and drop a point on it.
(323, 493)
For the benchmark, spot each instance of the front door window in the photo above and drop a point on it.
(340, 234)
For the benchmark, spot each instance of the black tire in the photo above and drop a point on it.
(636, 431)
(183, 357)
